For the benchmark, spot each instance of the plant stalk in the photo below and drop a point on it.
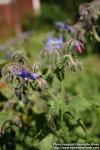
(62, 104)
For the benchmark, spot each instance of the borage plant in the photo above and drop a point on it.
(26, 79)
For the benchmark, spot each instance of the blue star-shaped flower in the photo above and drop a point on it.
(54, 43)
(25, 74)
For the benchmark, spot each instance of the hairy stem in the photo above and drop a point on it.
(62, 103)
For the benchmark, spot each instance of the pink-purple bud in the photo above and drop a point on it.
(78, 47)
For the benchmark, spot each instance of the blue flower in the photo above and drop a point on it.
(25, 74)
(54, 43)
(66, 26)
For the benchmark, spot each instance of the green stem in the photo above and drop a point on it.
(62, 104)
(68, 43)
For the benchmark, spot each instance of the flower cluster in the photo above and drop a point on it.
(54, 59)
(62, 55)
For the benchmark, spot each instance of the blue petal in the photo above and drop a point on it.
(60, 39)
(24, 73)
(51, 39)
(59, 46)
(33, 76)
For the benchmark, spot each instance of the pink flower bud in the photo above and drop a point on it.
(78, 47)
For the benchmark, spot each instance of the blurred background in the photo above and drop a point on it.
(17, 16)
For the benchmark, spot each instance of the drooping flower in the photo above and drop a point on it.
(52, 51)
(78, 47)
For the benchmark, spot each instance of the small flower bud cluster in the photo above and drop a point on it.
(65, 55)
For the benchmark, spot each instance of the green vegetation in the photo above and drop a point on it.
(82, 98)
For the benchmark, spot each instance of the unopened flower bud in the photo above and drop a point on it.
(40, 83)
(78, 47)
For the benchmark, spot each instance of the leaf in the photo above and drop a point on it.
(79, 104)
(46, 143)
